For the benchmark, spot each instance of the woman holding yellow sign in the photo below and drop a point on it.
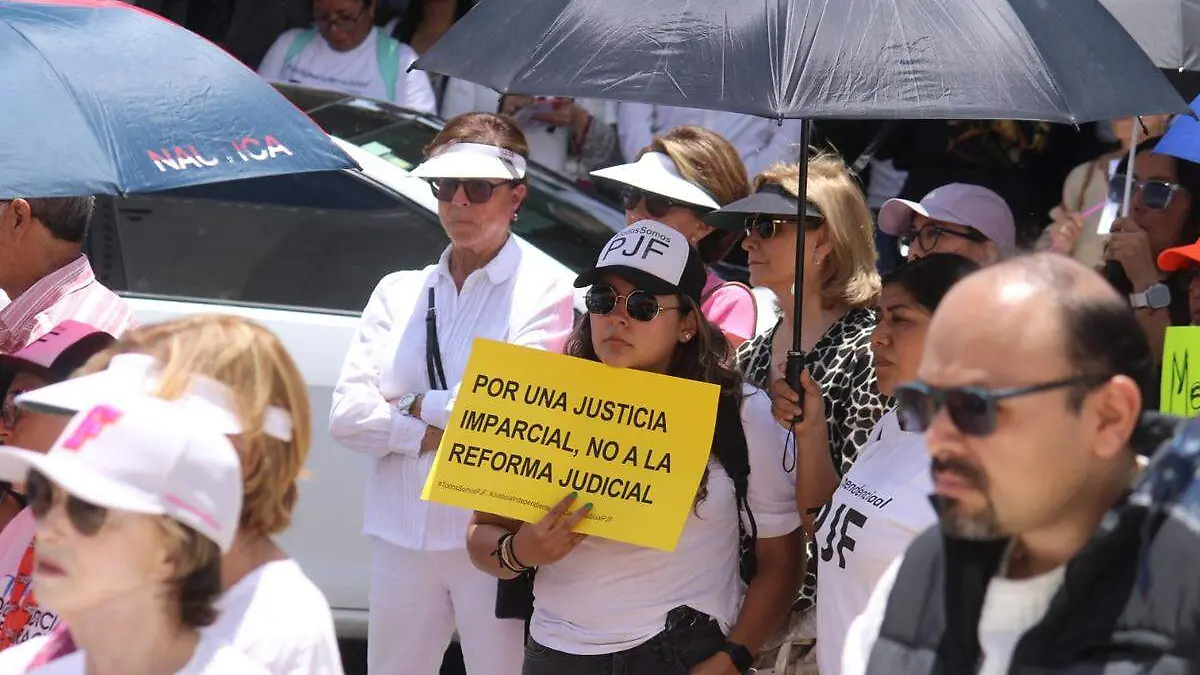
(604, 607)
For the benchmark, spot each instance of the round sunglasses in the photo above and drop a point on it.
(657, 205)
(477, 190)
(971, 409)
(1156, 194)
(85, 517)
(639, 305)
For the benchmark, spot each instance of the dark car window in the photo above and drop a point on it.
(244, 243)
(557, 217)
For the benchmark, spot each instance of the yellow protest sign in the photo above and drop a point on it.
(1180, 382)
(529, 427)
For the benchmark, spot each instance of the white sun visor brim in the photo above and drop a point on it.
(657, 173)
(472, 160)
(138, 374)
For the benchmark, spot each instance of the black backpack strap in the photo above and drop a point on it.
(914, 619)
(931, 625)
(729, 445)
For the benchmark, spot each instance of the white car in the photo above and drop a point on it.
(301, 255)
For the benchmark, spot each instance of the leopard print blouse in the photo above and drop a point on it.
(842, 364)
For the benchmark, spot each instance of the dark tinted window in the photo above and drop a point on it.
(243, 243)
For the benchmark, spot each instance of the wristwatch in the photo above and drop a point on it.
(406, 403)
(1156, 296)
(742, 659)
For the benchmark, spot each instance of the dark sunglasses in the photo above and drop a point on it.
(86, 518)
(10, 414)
(478, 191)
(343, 23)
(927, 237)
(971, 409)
(766, 226)
(656, 205)
(639, 305)
(1156, 194)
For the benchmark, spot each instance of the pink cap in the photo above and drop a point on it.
(59, 352)
(973, 206)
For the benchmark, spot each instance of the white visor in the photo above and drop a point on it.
(472, 160)
(207, 398)
(657, 173)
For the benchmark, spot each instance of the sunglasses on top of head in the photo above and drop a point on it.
(477, 190)
(1156, 194)
(971, 409)
(639, 305)
(657, 205)
(85, 517)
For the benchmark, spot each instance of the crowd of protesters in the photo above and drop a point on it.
(150, 468)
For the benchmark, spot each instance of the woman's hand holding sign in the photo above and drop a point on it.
(551, 538)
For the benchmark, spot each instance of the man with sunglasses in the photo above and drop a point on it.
(967, 220)
(51, 358)
(1029, 395)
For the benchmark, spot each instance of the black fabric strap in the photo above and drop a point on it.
(433, 351)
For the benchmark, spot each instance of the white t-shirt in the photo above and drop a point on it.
(1010, 608)
(355, 71)
(212, 657)
(14, 540)
(280, 619)
(608, 596)
(880, 506)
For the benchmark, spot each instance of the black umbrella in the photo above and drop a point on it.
(1168, 30)
(1052, 60)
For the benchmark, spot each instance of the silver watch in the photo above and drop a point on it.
(1156, 296)
(405, 403)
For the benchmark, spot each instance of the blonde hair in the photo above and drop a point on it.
(849, 275)
(253, 363)
(196, 583)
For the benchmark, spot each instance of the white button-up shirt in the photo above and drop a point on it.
(521, 297)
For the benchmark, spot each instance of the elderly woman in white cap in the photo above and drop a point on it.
(960, 218)
(398, 386)
(680, 177)
(134, 504)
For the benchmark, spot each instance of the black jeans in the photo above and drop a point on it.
(689, 639)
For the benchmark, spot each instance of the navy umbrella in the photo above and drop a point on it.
(103, 97)
(1052, 60)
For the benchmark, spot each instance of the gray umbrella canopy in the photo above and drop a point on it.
(1052, 60)
(1169, 30)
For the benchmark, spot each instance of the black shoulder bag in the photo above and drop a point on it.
(514, 597)
(729, 445)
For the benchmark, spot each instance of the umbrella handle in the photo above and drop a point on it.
(795, 366)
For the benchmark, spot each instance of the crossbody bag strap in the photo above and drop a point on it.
(433, 351)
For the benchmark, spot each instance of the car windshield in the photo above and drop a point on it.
(557, 217)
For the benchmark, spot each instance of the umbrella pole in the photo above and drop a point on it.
(795, 357)
(1129, 169)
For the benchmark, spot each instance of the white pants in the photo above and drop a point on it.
(419, 598)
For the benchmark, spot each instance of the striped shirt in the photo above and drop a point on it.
(70, 292)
